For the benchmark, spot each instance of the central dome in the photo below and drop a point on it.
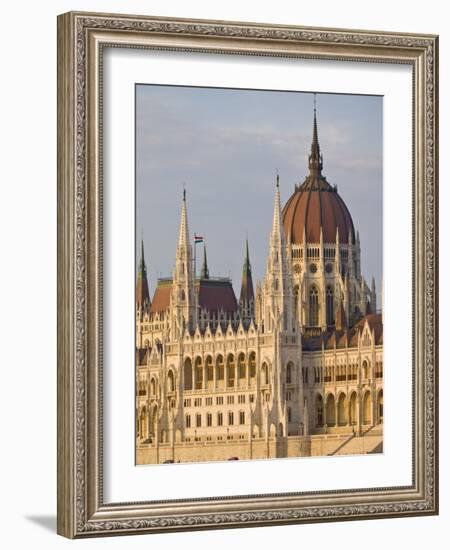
(316, 204)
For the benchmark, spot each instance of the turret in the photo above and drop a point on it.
(247, 297)
(204, 274)
(142, 292)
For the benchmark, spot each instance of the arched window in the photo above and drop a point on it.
(220, 368)
(265, 374)
(296, 294)
(289, 373)
(188, 374)
(331, 410)
(366, 369)
(231, 370)
(209, 368)
(198, 374)
(153, 387)
(330, 306)
(241, 362)
(367, 406)
(342, 413)
(170, 382)
(252, 364)
(313, 307)
(182, 296)
(276, 284)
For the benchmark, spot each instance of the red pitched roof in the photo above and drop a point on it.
(214, 295)
(161, 298)
(217, 295)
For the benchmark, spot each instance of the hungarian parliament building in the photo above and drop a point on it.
(294, 367)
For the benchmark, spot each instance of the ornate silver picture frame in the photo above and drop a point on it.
(83, 510)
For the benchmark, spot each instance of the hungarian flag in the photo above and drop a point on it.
(197, 239)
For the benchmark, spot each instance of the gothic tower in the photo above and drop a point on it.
(183, 297)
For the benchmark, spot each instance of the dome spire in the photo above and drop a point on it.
(315, 158)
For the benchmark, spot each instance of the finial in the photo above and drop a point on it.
(278, 179)
(315, 105)
(184, 192)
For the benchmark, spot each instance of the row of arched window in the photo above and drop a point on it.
(231, 373)
(345, 410)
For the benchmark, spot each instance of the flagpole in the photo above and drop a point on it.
(195, 257)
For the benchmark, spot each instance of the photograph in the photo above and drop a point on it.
(259, 274)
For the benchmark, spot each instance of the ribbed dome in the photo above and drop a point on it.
(313, 205)
(316, 204)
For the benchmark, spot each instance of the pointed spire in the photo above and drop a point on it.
(315, 158)
(247, 296)
(142, 267)
(205, 271)
(247, 267)
(142, 292)
(183, 239)
(277, 228)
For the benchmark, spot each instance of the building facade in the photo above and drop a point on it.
(294, 368)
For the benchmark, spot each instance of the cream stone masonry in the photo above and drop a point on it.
(295, 370)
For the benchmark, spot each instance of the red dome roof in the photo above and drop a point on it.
(316, 204)
(313, 205)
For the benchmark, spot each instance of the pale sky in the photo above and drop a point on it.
(225, 146)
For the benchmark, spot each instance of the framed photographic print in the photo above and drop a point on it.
(247, 284)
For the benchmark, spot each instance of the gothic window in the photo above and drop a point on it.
(209, 369)
(231, 370)
(198, 374)
(230, 418)
(220, 368)
(265, 374)
(331, 410)
(276, 284)
(289, 373)
(241, 417)
(170, 382)
(252, 364)
(313, 307)
(367, 406)
(182, 296)
(241, 366)
(188, 374)
(366, 369)
(188, 421)
(296, 291)
(289, 414)
(209, 419)
(330, 306)
(198, 420)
